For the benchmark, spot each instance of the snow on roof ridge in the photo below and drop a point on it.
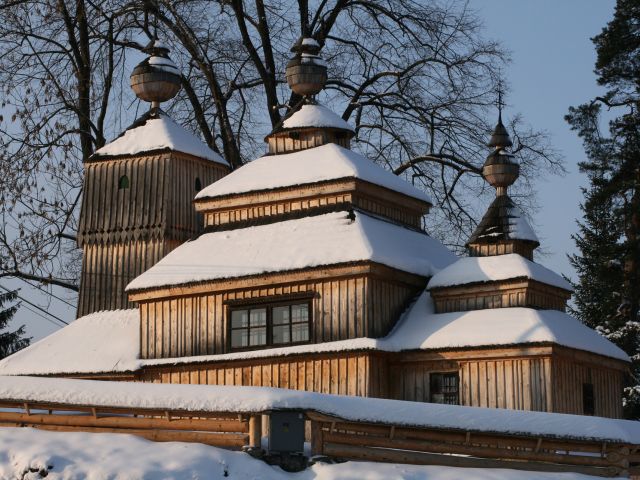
(158, 133)
(307, 242)
(241, 399)
(323, 163)
(493, 268)
(519, 227)
(316, 115)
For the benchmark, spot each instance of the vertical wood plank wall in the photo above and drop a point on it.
(263, 206)
(538, 383)
(568, 377)
(107, 269)
(518, 383)
(514, 383)
(343, 308)
(124, 232)
(346, 374)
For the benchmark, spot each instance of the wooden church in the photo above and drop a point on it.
(309, 269)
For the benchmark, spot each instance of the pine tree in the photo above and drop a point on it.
(608, 263)
(10, 342)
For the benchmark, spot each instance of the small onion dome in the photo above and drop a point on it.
(306, 72)
(156, 79)
(500, 136)
(500, 170)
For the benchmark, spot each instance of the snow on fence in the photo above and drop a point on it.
(344, 427)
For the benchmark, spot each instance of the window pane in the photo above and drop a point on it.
(258, 336)
(281, 334)
(300, 313)
(300, 332)
(281, 315)
(239, 338)
(258, 317)
(239, 319)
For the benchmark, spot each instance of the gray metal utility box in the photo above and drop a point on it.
(286, 432)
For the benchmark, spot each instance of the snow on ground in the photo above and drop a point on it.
(159, 134)
(102, 456)
(315, 241)
(328, 162)
(217, 398)
(495, 268)
(316, 116)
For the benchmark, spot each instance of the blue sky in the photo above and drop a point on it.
(551, 69)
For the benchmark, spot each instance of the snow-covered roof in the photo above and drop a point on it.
(105, 341)
(311, 115)
(495, 268)
(422, 329)
(320, 240)
(109, 341)
(324, 163)
(216, 398)
(158, 132)
(503, 221)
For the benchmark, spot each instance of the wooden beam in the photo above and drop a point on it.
(421, 458)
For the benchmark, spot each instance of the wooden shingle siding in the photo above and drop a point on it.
(343, 307)
(108, 268)
(502, 248)
(499, 294)
(125, 231)
(279, 204)
(284, 142)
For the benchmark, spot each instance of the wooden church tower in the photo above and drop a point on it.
(136, 206)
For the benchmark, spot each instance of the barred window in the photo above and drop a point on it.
(444, 388)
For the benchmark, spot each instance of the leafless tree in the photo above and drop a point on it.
(416, 79)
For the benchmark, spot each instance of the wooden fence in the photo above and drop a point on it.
(223, 429)
(340, 438)
(335, 437)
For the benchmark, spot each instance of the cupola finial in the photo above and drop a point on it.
(156, 79)
(306, 72)
(500, 169)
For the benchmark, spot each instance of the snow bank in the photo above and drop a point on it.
(316, 116)
(213, 398)
(315, 241)
(158, 134)
(495, 268)
(106, 341)
(102, 456)
(327, 162)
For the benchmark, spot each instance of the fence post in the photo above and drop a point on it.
(317, 442)
(255, 431)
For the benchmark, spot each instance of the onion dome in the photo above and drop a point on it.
(156, 79)
(503, 229)
(500, 169)
(306, 72)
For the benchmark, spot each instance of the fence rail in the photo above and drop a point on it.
(337, 437)
(219, 429)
